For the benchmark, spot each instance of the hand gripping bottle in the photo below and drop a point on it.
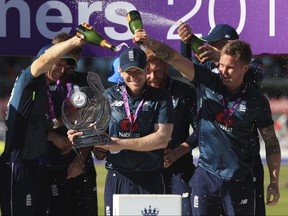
(87, 33)
(134, 21)
(195, 43)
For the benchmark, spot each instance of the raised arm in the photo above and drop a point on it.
(273, 157)
(43, 64)
(166, 54)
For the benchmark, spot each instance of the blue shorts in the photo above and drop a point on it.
(176, 179)
(131, 183)
(179, 186)
(258, 174)
(24, 188)
(75, 196)
(214, 196)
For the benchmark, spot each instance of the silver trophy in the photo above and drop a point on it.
(88, 111)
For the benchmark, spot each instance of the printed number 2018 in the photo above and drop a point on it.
(211, 7)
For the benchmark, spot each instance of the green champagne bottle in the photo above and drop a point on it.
(134, 21)
(87, 33)
(195, 43)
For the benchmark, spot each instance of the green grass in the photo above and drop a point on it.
(101, 175)
(280, 209)
(1, 147)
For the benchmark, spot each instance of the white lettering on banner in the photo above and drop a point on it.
(172, 33)
(211, 16)
(50, 17)
(272, 18)
(42, 19)
(112, 16)
(85, 10)
(170, 2)
(88, 9)
(189, 15)
(24, 11)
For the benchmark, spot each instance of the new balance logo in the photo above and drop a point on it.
(243, 202)
(185, 195)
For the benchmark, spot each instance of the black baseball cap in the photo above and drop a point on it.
(221, 31)
(132, 58)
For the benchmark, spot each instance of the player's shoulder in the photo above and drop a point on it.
(178, 87)
(159, 92)
(181, 85)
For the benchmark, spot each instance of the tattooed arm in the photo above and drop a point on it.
(166, 54)
(273, 157)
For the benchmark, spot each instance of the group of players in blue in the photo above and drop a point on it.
(150, 148)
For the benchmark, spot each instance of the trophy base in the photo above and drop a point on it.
(91, 140)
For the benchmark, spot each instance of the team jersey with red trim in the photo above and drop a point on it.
(227, 122)
(157, 108)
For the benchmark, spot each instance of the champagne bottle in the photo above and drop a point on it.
(87, 33)
(134, 21)
(195, 43)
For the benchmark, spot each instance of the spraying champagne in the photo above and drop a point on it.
(87, 33)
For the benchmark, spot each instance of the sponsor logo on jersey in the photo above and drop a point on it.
(242, 106)
(146, 106)
(117, 103)
(125, 125)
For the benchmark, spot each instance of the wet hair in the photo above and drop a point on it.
(63, 37)
(239, 49)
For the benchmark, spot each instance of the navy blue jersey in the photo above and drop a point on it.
(227, 147)
(185, 111)
(157, 108)
(26, 120)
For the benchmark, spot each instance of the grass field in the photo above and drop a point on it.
(280, 209)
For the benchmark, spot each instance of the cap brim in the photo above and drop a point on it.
(133, 67)
(208, 38)
(70, 57)
(116, 78)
